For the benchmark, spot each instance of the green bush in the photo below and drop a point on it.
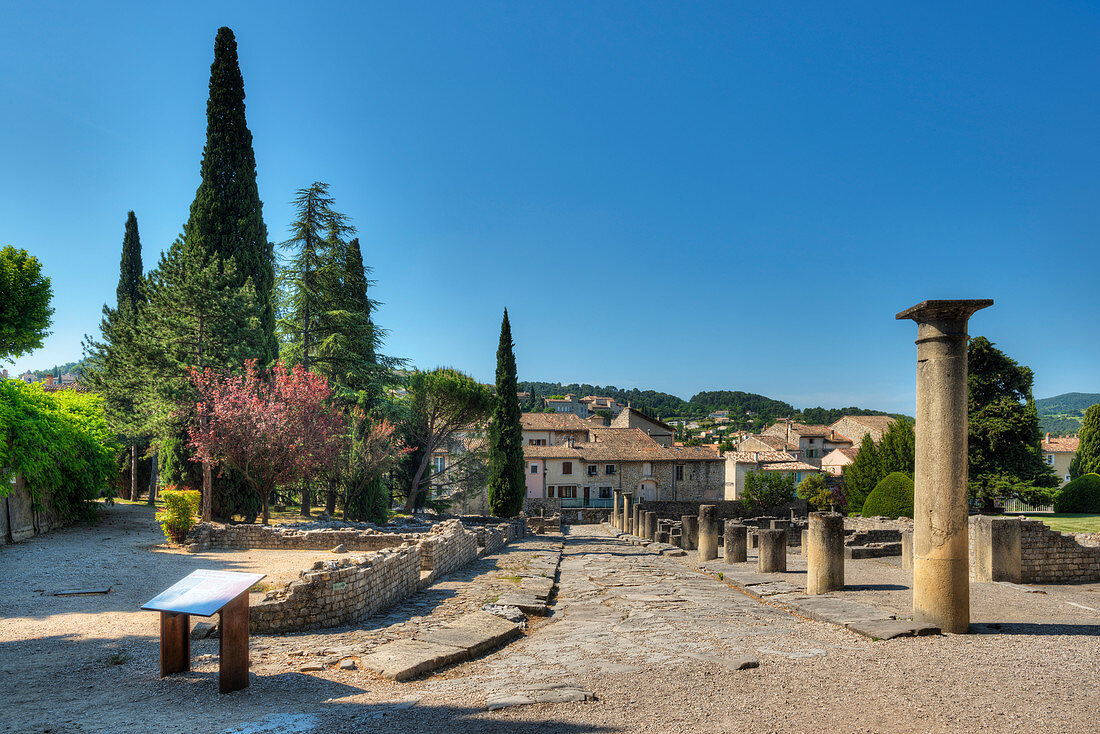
(1081, 495)
(179, 513)
(891, 497)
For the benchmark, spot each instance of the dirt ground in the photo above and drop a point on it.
(651, 636)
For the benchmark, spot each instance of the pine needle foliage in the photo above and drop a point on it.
(507, 480)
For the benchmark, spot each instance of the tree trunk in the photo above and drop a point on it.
(414, 487)
(133, 473)
(264, 503)
(305, 500)
(330, 497)
(207, 492)
(153, 478)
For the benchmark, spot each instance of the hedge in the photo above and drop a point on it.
(891, 497)
(1082, 495)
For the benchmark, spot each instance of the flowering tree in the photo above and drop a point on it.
(273, 431)
(372, 448)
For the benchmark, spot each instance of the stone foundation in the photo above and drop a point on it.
(211, 536)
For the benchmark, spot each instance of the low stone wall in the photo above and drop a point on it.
(335, 593)
(213, 536)
(727, 509)
(1051, 557)
(20, 519)
(338, 592)
(541, 506)
(585, 515)
(867, 524)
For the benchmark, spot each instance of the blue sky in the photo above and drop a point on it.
(677, 196)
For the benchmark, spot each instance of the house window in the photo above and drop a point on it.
(550, 491)
(567, 467)
(1067, 477)
(536, 442)
(534, 468)
(439, 463)
(609, 469)
(567, 493)
(679, 472)
(605, 493)
(811, 442)
(1050, 458)
(592, 470)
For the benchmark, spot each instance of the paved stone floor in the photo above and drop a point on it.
(662, 646)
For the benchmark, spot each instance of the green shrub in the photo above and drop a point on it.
(891, 497)
(1081, 495)
(179, 514)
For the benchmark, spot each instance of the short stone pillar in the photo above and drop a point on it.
(628, 513)
(780, 524)
(737, 542)
(708, 532)
(689, 531)
(941, 576)
(773, 551)
(650, 525)
(639, 527)
(907, 550)
(616, 515)
(998, 549)
(805, 540)
(661, 536)
(675, 538)
(825, 554)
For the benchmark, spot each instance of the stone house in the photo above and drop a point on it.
(662, 433)
(1058, 453)
(568, 404)
(585, 474)
(834, 462)
(739, 463)
(813, 441)
(594, 403)
(552, 429)
(856, 427)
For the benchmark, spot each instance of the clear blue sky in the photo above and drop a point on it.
(679, 196)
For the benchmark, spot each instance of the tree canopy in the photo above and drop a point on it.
(1087, 458)
(25, 309)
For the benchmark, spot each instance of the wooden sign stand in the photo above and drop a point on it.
(206, 593)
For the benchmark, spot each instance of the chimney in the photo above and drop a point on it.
(1048, 437)
(49, 381)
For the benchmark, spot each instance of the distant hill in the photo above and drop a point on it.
(57, 370)
(747, 410)
(1062, 414)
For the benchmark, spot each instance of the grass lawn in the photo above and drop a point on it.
(1070, 522)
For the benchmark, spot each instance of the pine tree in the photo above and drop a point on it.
(226, 217)
(113, 370)
(1087, 458)
(194, 321)
(507, 481)
(897, 449)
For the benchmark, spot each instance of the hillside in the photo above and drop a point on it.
(1062, 414)
(747, 410)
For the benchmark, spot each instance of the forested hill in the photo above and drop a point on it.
(744, 407)
(1062, 414)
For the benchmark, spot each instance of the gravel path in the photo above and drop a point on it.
(658, 642)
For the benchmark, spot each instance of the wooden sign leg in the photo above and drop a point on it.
(175, 643)
(233, 670)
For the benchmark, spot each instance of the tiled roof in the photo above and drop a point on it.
(806, 430)
(552, 422)
(1067, 445)
(621, 444)
(876, 422)
(849, 451)
(778, 443)
(759, 457)
(550, 452)
(788, 466)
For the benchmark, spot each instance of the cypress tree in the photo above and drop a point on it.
(861, 476)
(1087, 458)
(507, 481)
(113, 370)
(226, 217)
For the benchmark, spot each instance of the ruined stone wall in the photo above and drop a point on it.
(867, 524)
(449, 546)
(339, 592)
(20, 518)
(211, 536)
(1051, 557)
(727, 509)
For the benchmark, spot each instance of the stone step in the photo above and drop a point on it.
(475, 633)
(404, 659)
(879, 550)
(539, 586)
(526, 603)
(888, 629)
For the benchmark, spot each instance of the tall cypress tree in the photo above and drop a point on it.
(861, 476)
(226, 217)
(112, 368)
(507, 481)
(1087, 458)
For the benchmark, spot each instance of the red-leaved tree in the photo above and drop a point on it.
(273, 430)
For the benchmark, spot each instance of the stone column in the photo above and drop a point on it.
(651, 526)
(689, 531)
(825, 555)
(639, 530)
(907, 550)
(998, 549)
(708, 532)
(628, 513)
(941, 583)
(616, 516)
(805, 540)
(773, 551)
(737, 542)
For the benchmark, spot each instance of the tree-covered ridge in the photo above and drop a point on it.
(741, 405)
(1070, 402)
